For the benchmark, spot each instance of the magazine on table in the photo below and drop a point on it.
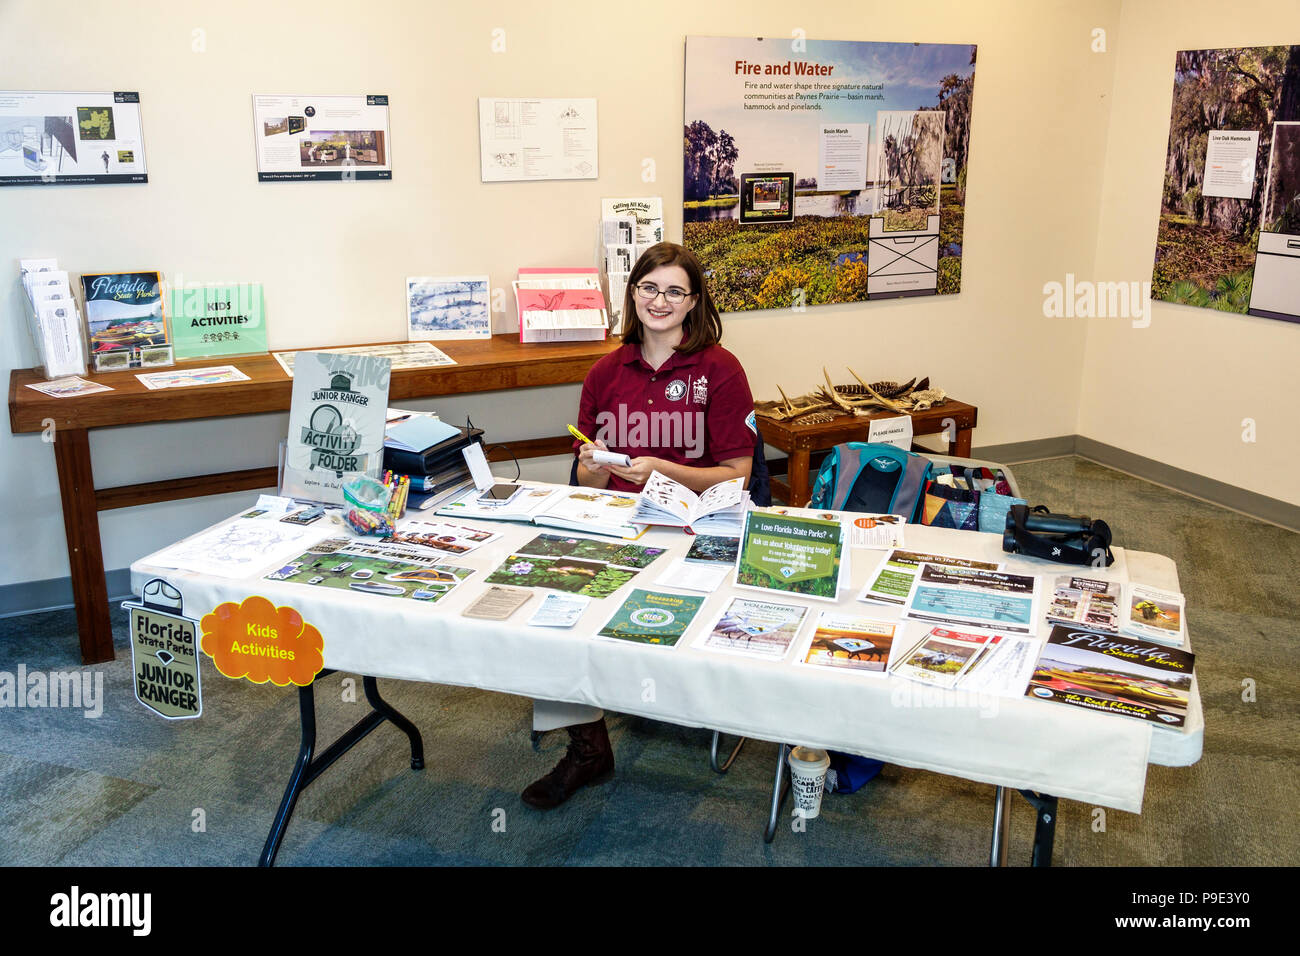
(942, 657)
(758, 629)
(1155, 614)
(1115, 675)
(891, 582)
(1090, 602)
(851, 642)
(972, 597)
(584, 566)
(652, 617)
(664, 501)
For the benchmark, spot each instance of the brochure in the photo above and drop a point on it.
(713, 549)
(239, 548)
(70, 138)
(374, 569)
(565, 546)
(942, 657)
(804, 556)
(497, 603)
(190, 377)
(1089, 602)
(313, 137)
(652, 617)
(68, 387)
(402, 355)
(974, 598)
(441, 536)
(891, 582)
(1003, 667)
(1154, 614)
(126, 326)
(695, 575)
(648, 213)
(875, 531)
(448, 307)
(336, 424)
(559, 610)
(755, 629)
(664, 501)
(850, 642)
(1115, 675)
(560, 304)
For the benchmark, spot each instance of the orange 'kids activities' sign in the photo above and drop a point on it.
(261, 642)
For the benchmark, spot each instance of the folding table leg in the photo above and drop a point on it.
(713, 753)
(1001, 826)
(1044, 828)
(385, 708)
(306, 770)
(780, 787)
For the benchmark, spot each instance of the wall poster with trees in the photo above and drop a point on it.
(876, 137)
(1234, 250)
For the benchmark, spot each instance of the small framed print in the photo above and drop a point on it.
(113, 361)
(766, 197)
(156, 355)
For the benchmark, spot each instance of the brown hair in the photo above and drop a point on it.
(702, 326)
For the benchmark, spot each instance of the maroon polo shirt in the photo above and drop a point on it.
(694, 410)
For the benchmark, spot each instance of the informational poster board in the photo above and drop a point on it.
(533, 139)
(66, 139)
(821, 171)
(1229, 235)
(336, 138)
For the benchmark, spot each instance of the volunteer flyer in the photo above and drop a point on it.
(67, 139)
(851, 642)
(891, 582)
(1115, 675)
(803, 556)
(755, 629)
(974, 598)
(301, 137)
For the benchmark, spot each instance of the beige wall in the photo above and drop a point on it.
(1179, 390)
(332, 256)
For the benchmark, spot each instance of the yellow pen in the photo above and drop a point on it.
(580, 436)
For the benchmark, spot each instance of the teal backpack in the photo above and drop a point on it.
(876, 478)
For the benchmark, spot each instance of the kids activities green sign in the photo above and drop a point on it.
(792, 555)
(215, 320)
(652, 617)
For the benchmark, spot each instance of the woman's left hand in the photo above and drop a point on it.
(639, 471)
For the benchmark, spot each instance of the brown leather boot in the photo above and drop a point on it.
(589, 760)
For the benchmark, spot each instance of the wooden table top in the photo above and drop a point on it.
(483, 365)
(790, 436)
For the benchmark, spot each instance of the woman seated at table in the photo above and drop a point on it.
(670, 383)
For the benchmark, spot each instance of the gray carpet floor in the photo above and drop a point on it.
(130, 789)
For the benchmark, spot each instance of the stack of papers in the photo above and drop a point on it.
(560, 305)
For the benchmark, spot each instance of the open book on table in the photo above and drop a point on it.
(717, 510)
(575, 509)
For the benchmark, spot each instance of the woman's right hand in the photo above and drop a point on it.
(584, 456)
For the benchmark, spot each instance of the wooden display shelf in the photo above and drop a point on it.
(486, 365)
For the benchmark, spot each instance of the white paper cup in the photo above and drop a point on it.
(808, 780)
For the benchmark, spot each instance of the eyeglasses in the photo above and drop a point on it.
(649, 291)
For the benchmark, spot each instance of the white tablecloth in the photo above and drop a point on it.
(1022, 743)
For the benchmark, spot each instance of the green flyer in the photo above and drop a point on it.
(214, 320)
(790, 554)
(653, 617)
